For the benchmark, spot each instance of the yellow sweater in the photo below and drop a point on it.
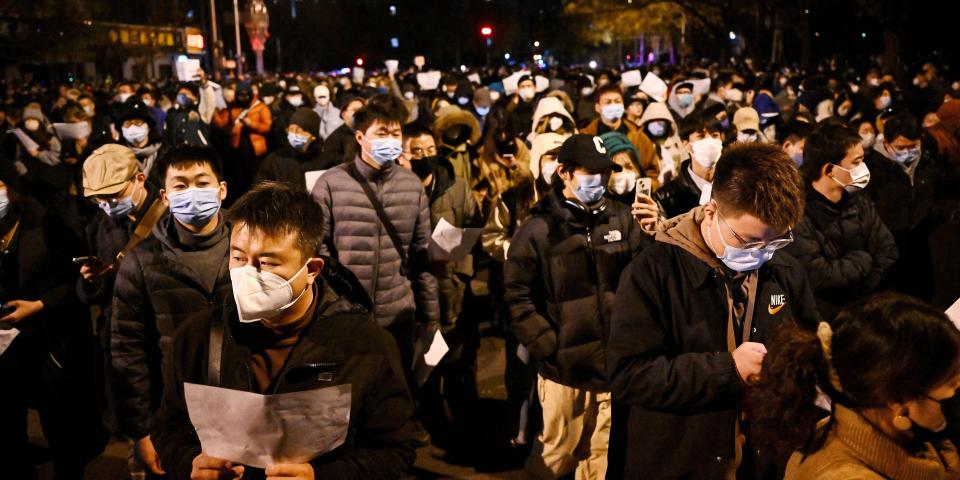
(856, 450)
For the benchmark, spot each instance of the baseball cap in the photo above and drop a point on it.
(746, 118)
(587, 151)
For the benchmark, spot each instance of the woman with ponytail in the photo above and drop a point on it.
(884, 368)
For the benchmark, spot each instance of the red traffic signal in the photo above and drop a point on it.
(486, 31)
(359, 61)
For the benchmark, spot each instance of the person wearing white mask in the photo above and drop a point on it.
(372, 197)
(329, 114)
(746, 122)
(176, 275)
(297, 321)
(672, 373)
(692, 186)
(844, 245)
(523, 104)
(905, 186)
(292, 100)
(137, 127)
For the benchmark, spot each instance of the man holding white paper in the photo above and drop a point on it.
(301, 323)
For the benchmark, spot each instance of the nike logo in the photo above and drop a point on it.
(775, 310)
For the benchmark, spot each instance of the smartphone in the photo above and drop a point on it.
(91, 260)
(644, 187)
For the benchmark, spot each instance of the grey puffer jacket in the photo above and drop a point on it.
(354, 235)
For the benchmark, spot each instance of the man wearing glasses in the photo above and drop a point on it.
(690, 319)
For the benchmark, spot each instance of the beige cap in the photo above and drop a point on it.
(108, 169)
(746, 118)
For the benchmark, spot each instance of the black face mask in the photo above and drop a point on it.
(424, 167)
(243, 100)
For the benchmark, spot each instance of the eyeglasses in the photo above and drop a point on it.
(772, 245)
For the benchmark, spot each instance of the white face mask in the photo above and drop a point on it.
(31, 124)
(734, 95)
(555, 123)
(868, 140)
(744, 137)
(547, 169)
(262, 295)
(859, 175)
(527, 93)
(623, 182)
(706, 152)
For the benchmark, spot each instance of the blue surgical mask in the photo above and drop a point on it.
(590, 188)
(385, 150)
(738, 259)
(135, 134)
(183, 100)
(194, 206)
(297, 141)
(906, 157)
(797, 158)
(483, 111)
(612, 112)
(657, 129)
(685, 100)
(4, 203)
(118, 207)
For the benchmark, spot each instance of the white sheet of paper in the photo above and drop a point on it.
(953, 313)
(260, 430)
(6, 338)
(449, 243)
(706, 194)
(655, 87)
(392, 65)
(70, 130)
(25, 139)
(311, 178)
(438, 348)
(543, 83)
(631, 78)
(358, 73)
(188, 70)
(428, 80)
(419, 61)
(701, 86)
(474, 77)
(510, 84)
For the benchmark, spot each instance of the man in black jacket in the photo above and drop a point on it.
(690, 317)
(299, 322)
(561, 273)
(841, 240)
(177, 274)
(904, 187)
(691, 187)
(301, 153)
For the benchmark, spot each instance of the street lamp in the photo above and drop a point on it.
(257, 23)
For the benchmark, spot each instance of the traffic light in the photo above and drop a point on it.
(486, 31)
(359, 61)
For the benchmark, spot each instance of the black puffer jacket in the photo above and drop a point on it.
(289, 165)
(343, 345)
(680, 195)
(561, 274)
(161, 285)
(845, 248)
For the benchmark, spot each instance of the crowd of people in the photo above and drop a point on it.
(699, 271)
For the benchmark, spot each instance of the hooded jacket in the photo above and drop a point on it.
(649, 155)
(290, 165)
(354, 235)
(674, 382)
(671, 152)
(548, 106)
(560, 277)
(166, 281)
(342, 345)
(459, 155)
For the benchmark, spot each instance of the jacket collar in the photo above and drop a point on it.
(372, 174)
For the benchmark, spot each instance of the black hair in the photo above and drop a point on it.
(189, 155)
(608, 88)
(760, 179)
(414, 130)
(275, 208)
(690, 125)
(884, 349)
(901, 125)
(383, 107)
(827, 144)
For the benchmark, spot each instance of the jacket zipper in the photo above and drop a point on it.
(376, 258)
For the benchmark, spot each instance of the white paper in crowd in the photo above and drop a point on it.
(311, 178)
(474, 78)
(510, 84)
(523, 354)
(6, 337)
(653, 86)
(706, 194)
(358, 73)
(543, 83)
(188, 70)
(953, 313)
(25, 139)
(438, 348)
(449, 243)
(429, 80)
(392, 65)
(631, 78)
(70, 130)
(701, 86)
(419, 61)
(260, 430)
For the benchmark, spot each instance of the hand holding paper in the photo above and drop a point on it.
(449, 243)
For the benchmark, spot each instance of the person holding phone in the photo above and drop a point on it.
(49, 366)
